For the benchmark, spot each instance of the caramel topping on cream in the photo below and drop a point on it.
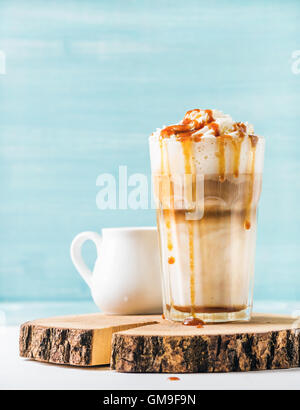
(198, 123)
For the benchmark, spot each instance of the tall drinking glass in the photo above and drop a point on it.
(207, 192)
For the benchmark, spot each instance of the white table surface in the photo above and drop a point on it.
(17, 373)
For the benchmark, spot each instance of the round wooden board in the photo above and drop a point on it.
(266, 342)
(80, 340)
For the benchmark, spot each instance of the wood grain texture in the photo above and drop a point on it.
(267, 342)
(82, 340)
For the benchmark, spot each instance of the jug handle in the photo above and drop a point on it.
(76, 254)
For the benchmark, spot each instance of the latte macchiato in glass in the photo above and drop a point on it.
(207, 177)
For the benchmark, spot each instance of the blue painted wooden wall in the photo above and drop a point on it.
(87, 81)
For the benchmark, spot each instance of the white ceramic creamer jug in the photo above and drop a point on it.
(126, 277)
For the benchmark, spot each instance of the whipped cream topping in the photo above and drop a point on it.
(219, 145)
(199, 123)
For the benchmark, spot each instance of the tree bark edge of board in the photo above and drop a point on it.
(54, 345)
(207, 354)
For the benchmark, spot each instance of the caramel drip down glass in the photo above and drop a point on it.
(206, 194)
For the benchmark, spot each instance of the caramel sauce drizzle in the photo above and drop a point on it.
(221, 157)
(188, 127)
(171, 260)
(215, 127)
(165, 171)
(197, 137)
(193, 321)
(236, 145)
(247, 222)
(190, 170)
(221, 146)
(162, 166)
(168, 227)
(192, 267)
(168, 307)
(187, 154)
